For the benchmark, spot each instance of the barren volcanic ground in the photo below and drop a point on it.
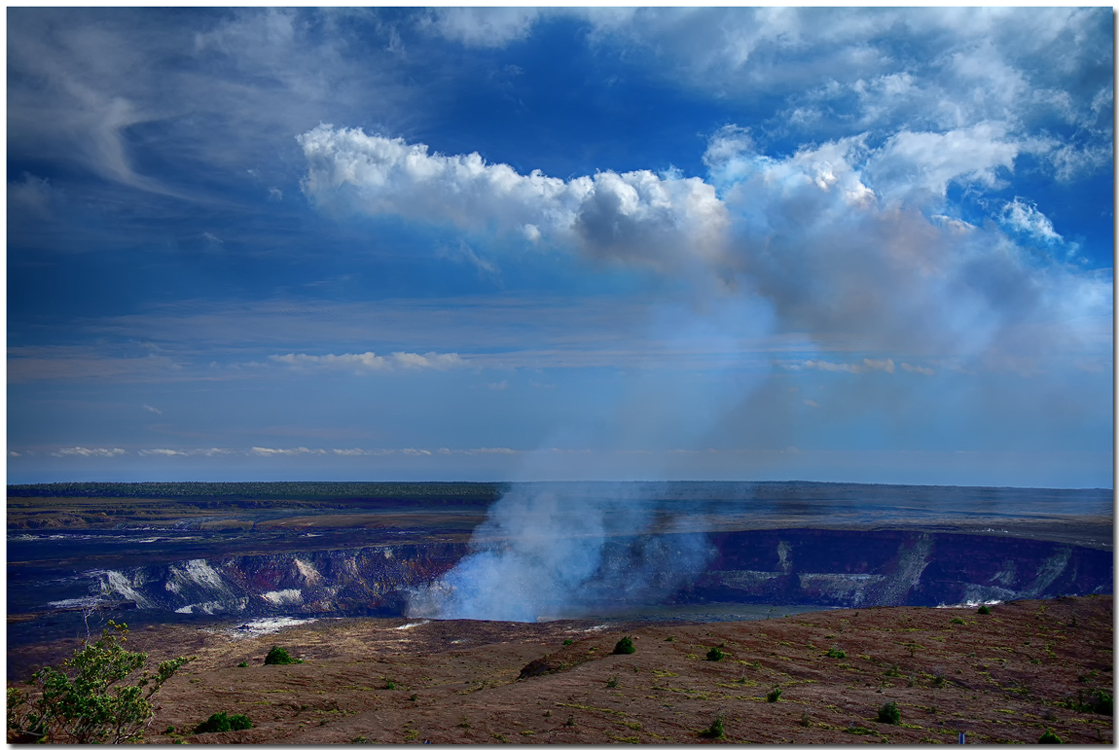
(194, 568)
(1001, 677)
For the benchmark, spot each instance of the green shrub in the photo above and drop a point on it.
(889, 713)
(95, 697)
(1049, 738)
(624, 646)
(279, 655)
(773, 695)
(567, 641)
(716, 731)
(220, 722)
(1098, 701)
(715, 654)
(243, 664)
(836, 653)
(612, 682)
(389, 684)
(957, 621)
(984, 610)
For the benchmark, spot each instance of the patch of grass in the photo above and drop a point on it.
(465, 723)
(773, 695)
(889, 713)
(593, 708)
(612, 682)
(862, 731)
(836, 653)
(243, 664)
(624, 646)
(715, 654)
(410, 735)
(389, 684)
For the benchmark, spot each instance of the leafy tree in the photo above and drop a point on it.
(95, 697)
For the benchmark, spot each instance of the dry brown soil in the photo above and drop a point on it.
(1002, 677)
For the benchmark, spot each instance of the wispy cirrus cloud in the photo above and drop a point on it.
(167, 452)
(300, 451)
(370, 362)
(90, 452)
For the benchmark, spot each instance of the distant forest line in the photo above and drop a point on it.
(488, 491)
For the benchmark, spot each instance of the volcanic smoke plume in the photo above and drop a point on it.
(544, 553)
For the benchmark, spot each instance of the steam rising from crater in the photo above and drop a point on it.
(546, 553)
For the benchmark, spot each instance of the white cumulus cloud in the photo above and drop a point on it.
(639, 216)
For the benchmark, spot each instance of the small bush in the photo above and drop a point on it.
(389, 684)
(567, 641)
(957, 621)
(1098, 701)
(612, 682)
(243, 664)
(715, 654)
(220, 722)
(279, 655)
(836, 653)
(716, 731)
(773, 695)
(1049, 738)
(624, 646)
(984, 610)
(889, 713)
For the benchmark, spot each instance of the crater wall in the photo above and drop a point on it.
(793, 566)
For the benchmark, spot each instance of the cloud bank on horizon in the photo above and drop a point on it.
(516, 243)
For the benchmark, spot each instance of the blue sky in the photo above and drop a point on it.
(506, 244)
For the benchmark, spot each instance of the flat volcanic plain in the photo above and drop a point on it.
(1007, 676)
(1000, 677)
